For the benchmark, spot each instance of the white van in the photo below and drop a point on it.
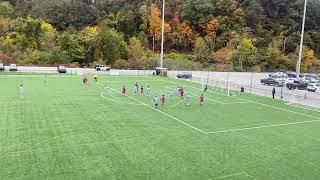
(102, 68)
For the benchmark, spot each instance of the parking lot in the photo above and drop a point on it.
(251, 84)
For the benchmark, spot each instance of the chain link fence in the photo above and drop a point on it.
(250, 83)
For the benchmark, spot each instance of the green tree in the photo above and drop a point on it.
(197, 12)
(6, 9)
(201, 51)
(71, 44)
(112, 46)
(135, 49)
(245, 54)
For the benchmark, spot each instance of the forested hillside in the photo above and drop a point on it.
(240, 35)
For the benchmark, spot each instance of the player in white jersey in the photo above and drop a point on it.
(45, 80)
(148, 90)
(21, 91)
(106, 89)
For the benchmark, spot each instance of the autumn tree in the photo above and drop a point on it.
(211, 32)
(308, 57)
(223, 55)
(156, 23)
(201, 51)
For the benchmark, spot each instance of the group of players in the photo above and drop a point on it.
(180, 92)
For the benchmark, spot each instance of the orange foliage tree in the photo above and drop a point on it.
(211, 28)
(156, 23)
(307, 60)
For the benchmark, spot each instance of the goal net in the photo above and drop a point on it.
(228, 87)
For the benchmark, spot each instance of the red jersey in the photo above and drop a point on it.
(201, 98)
(163, 99)
(181, 91)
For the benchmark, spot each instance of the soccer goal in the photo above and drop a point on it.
(231, 88)
(293, 98)
(224, 86)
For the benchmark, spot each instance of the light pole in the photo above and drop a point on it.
(301, 42)
(162, 35)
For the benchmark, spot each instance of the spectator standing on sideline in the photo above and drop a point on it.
(273, 92)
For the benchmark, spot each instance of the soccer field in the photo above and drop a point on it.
(67, 131)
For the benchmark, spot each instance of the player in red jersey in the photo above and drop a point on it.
(123, 90)
(85, 80)
(201, 100)
(163, 100)
(181, 93)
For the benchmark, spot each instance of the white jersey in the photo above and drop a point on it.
(106, 90)
(45, 79)
(21, 91)
(155, 100)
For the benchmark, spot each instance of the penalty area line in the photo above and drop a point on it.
(230, 175)
(262, 127)
(168, 115)
(250, 101)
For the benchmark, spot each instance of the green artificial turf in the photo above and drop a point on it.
(66, 131)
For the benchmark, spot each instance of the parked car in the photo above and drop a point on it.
(289, 80)
(313, 87)
(61, 69)
(278, 75)
(293, 74)
(311, 80)
(272, 81)
(13, 67)
(310, 75)
(297, 84)
(2, 67)
(184, 75)
(102, 68)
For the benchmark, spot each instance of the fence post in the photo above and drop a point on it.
(265, 92)
(227, 80)
(208, 77)
(251, 82)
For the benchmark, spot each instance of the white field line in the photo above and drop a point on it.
(224, 103)
(294, 112)
(309, 109)
(121, 102)
(261, 127)
(172, 117)
(230, 175)
(249, 175)
(176, 104)
(283, 109)
(236, 103)
(126, 81)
